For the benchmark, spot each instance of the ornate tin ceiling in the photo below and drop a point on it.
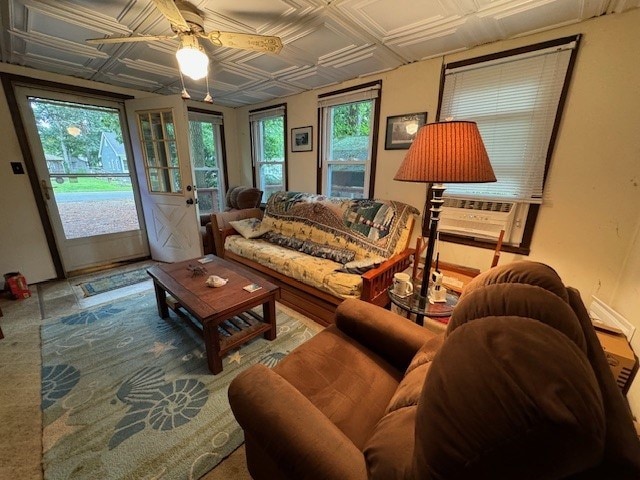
(325, 41)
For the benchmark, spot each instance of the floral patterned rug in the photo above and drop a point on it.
(127, 395)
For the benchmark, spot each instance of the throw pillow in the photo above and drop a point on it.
(361, 266)
(283, 240)
(249, 228)
(340, 255)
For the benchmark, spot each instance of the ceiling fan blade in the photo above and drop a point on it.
(169, 9)
(246, 41)
(135, 38)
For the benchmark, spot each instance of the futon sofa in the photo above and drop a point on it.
(517, 388)
(321, 250)
(237, 198)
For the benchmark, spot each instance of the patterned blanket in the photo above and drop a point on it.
(369, 227)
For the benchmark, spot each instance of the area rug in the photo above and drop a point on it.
(112, 282)
(127, 395)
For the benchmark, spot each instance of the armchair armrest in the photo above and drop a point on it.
(290, 429)
(391, 336)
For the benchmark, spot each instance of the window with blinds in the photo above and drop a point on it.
(515, 98)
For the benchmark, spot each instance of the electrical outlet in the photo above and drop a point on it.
(17, 168)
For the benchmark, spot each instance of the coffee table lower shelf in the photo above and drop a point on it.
(232, 332)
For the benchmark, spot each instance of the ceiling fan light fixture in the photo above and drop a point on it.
(193, 62)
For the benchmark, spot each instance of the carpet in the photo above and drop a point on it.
(127, 395)
(112, 282)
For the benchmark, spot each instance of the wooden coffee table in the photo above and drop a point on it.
(224, 314)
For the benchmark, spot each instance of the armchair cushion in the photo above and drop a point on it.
(242, 197)
(529, 273)
(521, 300)
(347, 382)
(504, 392)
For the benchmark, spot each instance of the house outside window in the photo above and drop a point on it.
(269, 149)
(516, 99)
(348, 133)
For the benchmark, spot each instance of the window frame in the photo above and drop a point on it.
(255, 163)
(370, 165)
(221, 147)
(524, 248)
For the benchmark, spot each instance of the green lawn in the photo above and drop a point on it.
(84, 184)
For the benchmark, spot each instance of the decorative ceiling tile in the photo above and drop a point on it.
(400, 17)
(310, 77)
(325, 41)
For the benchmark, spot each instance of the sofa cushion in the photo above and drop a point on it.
(316, 272)
(337, 254)
(361, 266)
(520, 300)
(283, 240)
(504, 391)
(368, 227)
(346, 381)
(249, 227)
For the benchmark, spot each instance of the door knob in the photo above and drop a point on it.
(190, 201)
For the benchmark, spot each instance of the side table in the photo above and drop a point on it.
(421, 307)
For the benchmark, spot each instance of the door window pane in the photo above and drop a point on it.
(160, 151)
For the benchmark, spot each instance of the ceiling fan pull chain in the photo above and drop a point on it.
(184, 94)
(208, 98)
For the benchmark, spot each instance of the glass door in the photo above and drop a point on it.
(208, 160)
(84, 170)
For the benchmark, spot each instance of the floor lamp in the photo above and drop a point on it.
(444, 152)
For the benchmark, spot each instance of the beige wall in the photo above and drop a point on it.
(591, 212)
(23, 245)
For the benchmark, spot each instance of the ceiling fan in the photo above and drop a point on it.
(188, 24)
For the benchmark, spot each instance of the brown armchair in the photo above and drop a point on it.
(237, 198)
(518, 387)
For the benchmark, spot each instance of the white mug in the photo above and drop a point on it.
(402, 285)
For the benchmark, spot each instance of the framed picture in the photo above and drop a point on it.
(402, 129)
(301, 139)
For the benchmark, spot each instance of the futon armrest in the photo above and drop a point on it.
(290, 429)
(391, 336)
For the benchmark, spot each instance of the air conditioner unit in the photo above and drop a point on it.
(475, 218)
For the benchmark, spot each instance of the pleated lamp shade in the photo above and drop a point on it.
(447, 152)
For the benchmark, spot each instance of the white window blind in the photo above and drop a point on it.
(368, 93)
(272, 112)
(514, 101)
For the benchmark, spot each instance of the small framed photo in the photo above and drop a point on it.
(402, 129)
(301, 139)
